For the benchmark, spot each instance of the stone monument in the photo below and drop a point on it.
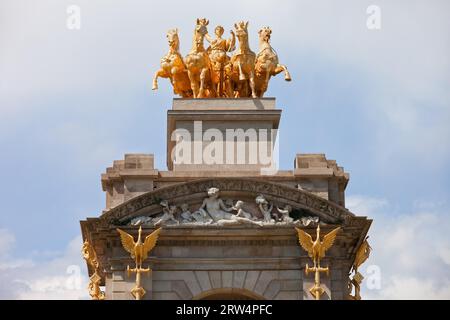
(223, 222)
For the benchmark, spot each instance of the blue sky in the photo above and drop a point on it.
(377, 101)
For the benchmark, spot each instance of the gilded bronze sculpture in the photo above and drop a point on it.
(219, 60)
(362, 254)
(266, 64)
(198, 64)
(94, 280)
(139, 251)
(316, 251)
(210, 73)
(173, 68)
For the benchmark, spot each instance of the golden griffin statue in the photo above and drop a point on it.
(139, 252)
(94, 281)
(362, 254)
(211, 73)
(316, 251)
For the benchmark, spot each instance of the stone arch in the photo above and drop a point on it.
(228, 294)
(243, 284)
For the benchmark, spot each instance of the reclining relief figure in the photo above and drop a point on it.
(220, 214)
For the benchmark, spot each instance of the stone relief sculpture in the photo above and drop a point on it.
(265, 209)
(168, 214)
(186, 215)
(141, 220)
(285, 214)
(210, 73)
(241, 212)
(220, 214)
(306, 221)
(217, 211)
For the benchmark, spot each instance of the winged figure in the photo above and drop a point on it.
(139, 250)
(316, 249)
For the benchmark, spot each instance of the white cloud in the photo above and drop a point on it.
(412, 250)
(362, 205)
(6, 241)
(62, 277)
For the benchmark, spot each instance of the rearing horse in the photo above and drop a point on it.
(267, 63)
(198, 64)
(172, 67)
(242, 65)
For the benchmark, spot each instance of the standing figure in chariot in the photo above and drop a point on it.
(219, 60)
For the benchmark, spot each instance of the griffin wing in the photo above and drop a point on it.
(328, 241)
(305, 241)
(150, 242)
(127, 242)
(362, 254)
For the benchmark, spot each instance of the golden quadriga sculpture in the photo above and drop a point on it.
(210, 72)
(316, 250)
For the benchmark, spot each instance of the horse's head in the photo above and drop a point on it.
(200, 27)
(241, 29)
(172, 38)
(264, 34)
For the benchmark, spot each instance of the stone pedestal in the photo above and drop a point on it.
(221, 134)
(224, 262)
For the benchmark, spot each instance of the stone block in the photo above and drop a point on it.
(181, 289)
(335, 274)
(162, 286)
(251, 279)
(122, 296)
(239, 278)
(291, 285)
(216, 279)
(165, 296)
(121, 286)
(227, 279)
(288, 295)
(272, 289)
(291, 274)
(264, 279)
(203, 280)
(337, 295)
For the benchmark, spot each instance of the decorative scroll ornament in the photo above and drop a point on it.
(139, 252)
(94, 281)
(316, 251)
(211, 73)
(362, 255)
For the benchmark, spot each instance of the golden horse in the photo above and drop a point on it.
(198, 63)
(241, 69)
(267, 63)
(172, 67)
